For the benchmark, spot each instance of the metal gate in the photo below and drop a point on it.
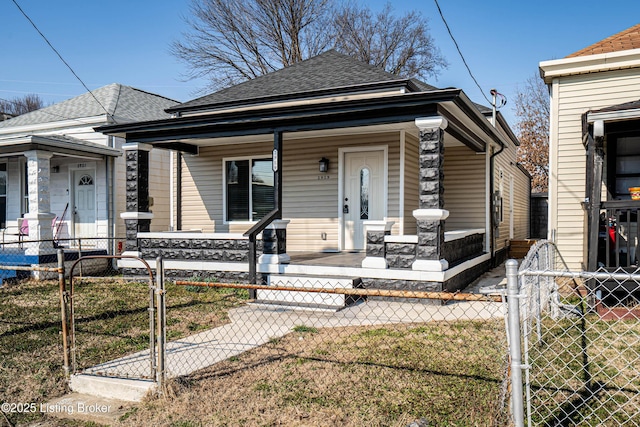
(88, 320)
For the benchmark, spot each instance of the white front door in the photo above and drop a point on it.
(363, 195)
(84, 203)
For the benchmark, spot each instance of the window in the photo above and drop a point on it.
(24, 205)
(3, 195)
(249, 189)
(364, 193)
(626, 166)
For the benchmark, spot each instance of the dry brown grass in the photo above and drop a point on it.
(112, 321)
(447, 373)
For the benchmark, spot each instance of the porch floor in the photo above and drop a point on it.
(336, 259)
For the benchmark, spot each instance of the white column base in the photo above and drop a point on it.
(430, 265)
(430, 214)
(374, 262)
(274, 259)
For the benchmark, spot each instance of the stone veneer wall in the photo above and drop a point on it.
(459, 250)
(197, 249)
(403, 254)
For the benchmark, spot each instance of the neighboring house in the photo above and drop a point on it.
(343, 157)
(66, 181)
(594, 151)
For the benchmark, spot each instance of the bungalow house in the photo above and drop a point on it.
(343, 169)
(594, 152)
(60, 180)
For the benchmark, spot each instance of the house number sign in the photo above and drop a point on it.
(274, 160)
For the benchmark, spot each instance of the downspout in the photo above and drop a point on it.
(178, 190)
(492, 218)
(172, 217)
(491, 202)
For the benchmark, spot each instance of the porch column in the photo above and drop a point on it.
(595, 164)
(137, 218)
(376, 253)
(39, 216)
(274, 243)
(430, 216)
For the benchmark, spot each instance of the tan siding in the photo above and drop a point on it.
(310, 198)
(505, 171)
(159, 170)
(464, 188)
(410, 183)
(576, 95)
(522, 205)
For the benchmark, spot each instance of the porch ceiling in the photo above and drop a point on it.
(409, 127)
(57, 144)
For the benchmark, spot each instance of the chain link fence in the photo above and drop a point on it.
(25, 252)
(308, 350)
(581, 341)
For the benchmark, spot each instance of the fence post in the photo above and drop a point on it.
(161, 327)
(515, 351)
(64, 302)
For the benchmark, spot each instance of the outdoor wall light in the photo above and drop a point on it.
(324, 164)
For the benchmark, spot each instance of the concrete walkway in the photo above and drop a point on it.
(253, 325)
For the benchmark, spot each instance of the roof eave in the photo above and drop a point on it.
(178, 109)
(589, 64)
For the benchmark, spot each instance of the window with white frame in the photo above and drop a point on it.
(3, 195)
(248, 189)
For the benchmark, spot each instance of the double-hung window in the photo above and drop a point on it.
(248, 188)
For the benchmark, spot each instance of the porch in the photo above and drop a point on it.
(388, 262)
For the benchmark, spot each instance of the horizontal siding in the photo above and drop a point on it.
(411, 184)
(464, 188)
(575, 96)
(310, 200)
(159, 189)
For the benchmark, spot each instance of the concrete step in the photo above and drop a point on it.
(130, 390)
(313, 300)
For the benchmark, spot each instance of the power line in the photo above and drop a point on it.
(59, 56)
(460, 52)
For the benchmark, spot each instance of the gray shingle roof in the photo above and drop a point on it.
(329, 70)
(123, 102)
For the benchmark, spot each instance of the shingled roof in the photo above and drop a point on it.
(120, 101)
(329, 70)
(624, 40)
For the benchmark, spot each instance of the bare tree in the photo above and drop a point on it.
(21, 105)
(235, 40)
(401, 45)
(532, 127)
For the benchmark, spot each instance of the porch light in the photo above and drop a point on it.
(324, 164)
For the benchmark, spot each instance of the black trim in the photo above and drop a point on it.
(187, 107)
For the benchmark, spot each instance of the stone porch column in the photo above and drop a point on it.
(274, 243)
(137, 218)
(375, 232)
(39, 216)
(431, 213)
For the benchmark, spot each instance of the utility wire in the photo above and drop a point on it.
(460, 52)
(60, 56)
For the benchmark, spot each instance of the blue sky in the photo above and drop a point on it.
(127, 41)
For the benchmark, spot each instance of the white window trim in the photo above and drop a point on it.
(225, 220)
